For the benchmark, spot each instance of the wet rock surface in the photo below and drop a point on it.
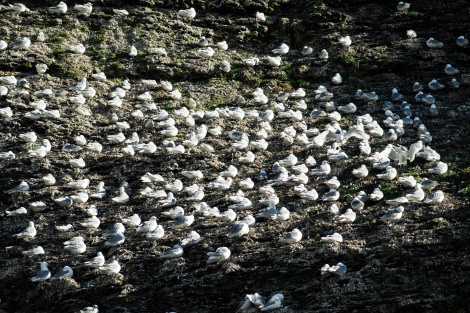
(419, 264)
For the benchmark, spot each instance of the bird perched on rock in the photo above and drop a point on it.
(306, 51)
(347, 217)
(175, 252)
(291, 237)
(403, 6)
(28, 232)
(435, 198)
(90, 309)
(338, 269)
(389, 174)
(219, 255)
(187, 13)
(335, 237)
(110, 268)
(434, 43)
(282, 49)
(345, 41)
(84, 9)
(461, 41)
(24, 43)
(60, 8)
(66, 271)
(43, 274)
(95, 262)
(393, 214)
(450, 70)
(76, 245)
(23, 186)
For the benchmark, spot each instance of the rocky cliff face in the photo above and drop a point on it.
(417, 264)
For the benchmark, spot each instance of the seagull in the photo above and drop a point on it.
(440, 168)
(18, 7)
(345, 41)
(157, 233)
(60, 8)
(411, 34)
(306, 51)
(274, 61)
(433, 43)
(192, 238)
(41, 68)
(79, 184)
(64, 272)
(403, 6)
(428, 184)
(63, 202)
(84, 9)
(322, 170)
(291, 237)
(450, 70)
(222, 45)
(100, 192)
(347, 217)
(120, 12)
(23, 186)
(183, 222)
(435, 198)
(337, 79)
(28, 232)
(333, 183)
(260, 17)
(407, 181)
(24, 43)
(43, 274)
(89, 309)
(389, 174)
(36, 250)
(323, 55)
(393, 214)
(16, 212)
(338, 269)
(275, 302)
(376, 195)
(110, 268)
(175, 252)
(132, 221)
(116, 228)
(115, 240)
(360, 172)
(80, 85)
(282, 49)
(187, 13)
(238, 230)
(65, 228)
(461, 41)
(95, 262)
(335, 237)
(3, 45)
(331, 195)
(122, 198)
(220, 255)
(76, 245)
(91, 222)
(251, 302)
(147, 226)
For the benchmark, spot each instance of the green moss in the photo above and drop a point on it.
(65, 72)
(58, 38)
(438, 222)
